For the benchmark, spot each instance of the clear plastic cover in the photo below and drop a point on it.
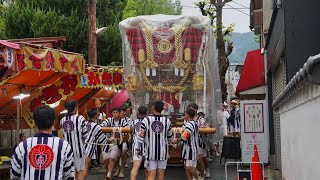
(173, 59)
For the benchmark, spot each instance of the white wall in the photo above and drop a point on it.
(300, 134)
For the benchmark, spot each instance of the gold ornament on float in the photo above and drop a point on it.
(132, 82)
(120, 71)
(164, 46)
(187, 54)
(141, 55)
(197, 82)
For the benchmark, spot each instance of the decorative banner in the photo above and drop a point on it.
(7, 64)
(9, 57)
(102, 77)
(50, 95)
(29, 58)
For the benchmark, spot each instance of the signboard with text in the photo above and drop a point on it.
(254, 129)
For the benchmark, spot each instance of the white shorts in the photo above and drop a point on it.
(113, 153)
(190, 163)
(235, 129)
(124, 146)
(136, 158)
(202, 152)
(223, 130)
(79, 163)
(154, 165)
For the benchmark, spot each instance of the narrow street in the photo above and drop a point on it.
(176, 172)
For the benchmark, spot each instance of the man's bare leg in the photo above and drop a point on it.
(152, 174)
(160, 173)
(124, 156)
(201, 167)
(111, 165)
(193, 172)
(79, 175)
(189, 176)
(135, 168)
(86, 167)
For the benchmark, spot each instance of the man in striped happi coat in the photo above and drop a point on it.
(111, 153)
(95, 135)
(75, 132)
(202, 151)
(137, 147)
(43, 156)
(125, 115)
(190, 137)
(155, 132)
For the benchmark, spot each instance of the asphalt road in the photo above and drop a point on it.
(175, 172)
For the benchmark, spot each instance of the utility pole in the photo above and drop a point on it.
(213, 9)
(92, 42)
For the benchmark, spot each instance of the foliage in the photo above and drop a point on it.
(127, 104)
(149, 7)
(109, 43)
(213, 9)
(42, 18)
(2, 23)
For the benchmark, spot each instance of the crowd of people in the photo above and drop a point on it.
(45, 156)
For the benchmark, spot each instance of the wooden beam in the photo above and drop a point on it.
(87, 97)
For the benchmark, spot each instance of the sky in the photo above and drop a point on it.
(229, 15)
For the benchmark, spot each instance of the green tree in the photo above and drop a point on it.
(41, 18)
(2, 23)
(149, 7)
(213, 9)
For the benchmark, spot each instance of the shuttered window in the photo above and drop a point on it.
(278, 84)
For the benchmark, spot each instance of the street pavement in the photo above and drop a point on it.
(175, 172)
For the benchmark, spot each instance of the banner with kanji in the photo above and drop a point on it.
(102, 77)
(52, 94)
(28, 58)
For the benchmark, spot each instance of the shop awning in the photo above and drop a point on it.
(252, 75)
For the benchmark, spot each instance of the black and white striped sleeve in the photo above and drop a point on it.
(85, 132)
(16, 162)
(100, 136)
(142, 132)
(169, 131)
(129, 122)
(106, 123)
(68, 168)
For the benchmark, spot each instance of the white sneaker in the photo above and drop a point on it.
(117, 172)
(207, 173)
(121, 175)
(199, 178)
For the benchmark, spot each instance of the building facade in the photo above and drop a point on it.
(288, 38)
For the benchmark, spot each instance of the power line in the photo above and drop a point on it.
(237, 10)
(240, 4)
(223, 8)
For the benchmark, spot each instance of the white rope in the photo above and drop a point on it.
(119, 130)
(106, 144)
(98, 144)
